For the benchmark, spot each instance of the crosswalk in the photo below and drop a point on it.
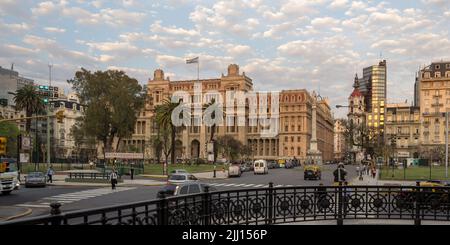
(73, 197)
(243, 185)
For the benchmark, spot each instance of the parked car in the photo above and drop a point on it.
(36, 179)
(249, 166)
(244, 167)
(234, 170)
(181, 178)
(271, 164)
(260, 167)
(312, 172)
(186, 188)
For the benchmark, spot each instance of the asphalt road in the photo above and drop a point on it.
(78, 197)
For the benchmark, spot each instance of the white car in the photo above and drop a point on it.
(260, 167)
(234, 170)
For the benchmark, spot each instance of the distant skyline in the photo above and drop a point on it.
(314, 44)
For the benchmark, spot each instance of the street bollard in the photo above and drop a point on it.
(214, 176)
(55, 211)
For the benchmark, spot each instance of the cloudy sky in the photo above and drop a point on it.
(314, 44)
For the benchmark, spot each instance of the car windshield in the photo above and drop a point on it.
(177, 177)
(35, 175)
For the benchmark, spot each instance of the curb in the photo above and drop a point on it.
(27, 212)
(154, 176)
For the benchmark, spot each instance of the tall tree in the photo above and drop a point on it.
(111, 100)
(28, 99)
(166, 126)
(10, 131)
(230, 146)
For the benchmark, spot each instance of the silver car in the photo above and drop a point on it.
(181, 178)
(37, 179)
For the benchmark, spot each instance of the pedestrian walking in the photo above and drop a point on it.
(358, 169)
(91, 164)
(132, 170)
(374, 172)
(50, 173)
(113, 177)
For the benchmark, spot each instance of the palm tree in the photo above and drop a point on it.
(164, 119)
(28, 99)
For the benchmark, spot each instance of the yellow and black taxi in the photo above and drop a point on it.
(312, 172)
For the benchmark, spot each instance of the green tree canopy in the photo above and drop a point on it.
(10, 131)
(28, 99)
(111, 100)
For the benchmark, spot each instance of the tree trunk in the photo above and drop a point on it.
(172, 148)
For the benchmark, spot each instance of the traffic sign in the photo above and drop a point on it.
(26, 142)
(24, 157)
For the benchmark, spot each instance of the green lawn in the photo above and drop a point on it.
(157, 169)
(414, 173)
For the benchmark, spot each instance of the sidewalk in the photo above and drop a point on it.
(368, 180)
(12, 212)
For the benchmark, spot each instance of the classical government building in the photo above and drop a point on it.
(294, 122)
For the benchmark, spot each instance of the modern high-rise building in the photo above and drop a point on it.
(434, 99)
(373, 86)
(10, 82)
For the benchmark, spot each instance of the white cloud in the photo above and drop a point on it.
(54, 30)
(337, 4)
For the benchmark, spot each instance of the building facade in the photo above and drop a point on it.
(63, 143)
(10, 82)
(340, 144)
(433, 84)
(403, 127)
(373, 86)
(293, 120)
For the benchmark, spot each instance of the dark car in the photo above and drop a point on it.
(35, 179)
(271, 164)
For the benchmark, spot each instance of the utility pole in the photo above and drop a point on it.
(50, 93)
(446, 144)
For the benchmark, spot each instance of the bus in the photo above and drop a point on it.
(9, 180)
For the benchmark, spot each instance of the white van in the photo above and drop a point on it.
(260, 167)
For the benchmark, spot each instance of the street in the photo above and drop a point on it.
(83, 197)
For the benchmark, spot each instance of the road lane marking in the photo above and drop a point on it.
(32, 206)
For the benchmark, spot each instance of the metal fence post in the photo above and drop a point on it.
(206, 212)
(270, 206)
(417, 202)
(340, 220)
(55, 212)
(162, 211)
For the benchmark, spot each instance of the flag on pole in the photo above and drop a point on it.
(192, 61)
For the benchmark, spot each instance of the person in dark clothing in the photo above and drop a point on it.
(321, 196)
(113, 177)
(340, 173)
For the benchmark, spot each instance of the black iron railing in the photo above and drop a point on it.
(267, 206)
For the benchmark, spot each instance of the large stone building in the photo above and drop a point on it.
(294, 119)
(340, 144)
(433, 95)
(403, 127)
(356, 121)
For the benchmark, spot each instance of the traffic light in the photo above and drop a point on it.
(60, 116)
(3, 141)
